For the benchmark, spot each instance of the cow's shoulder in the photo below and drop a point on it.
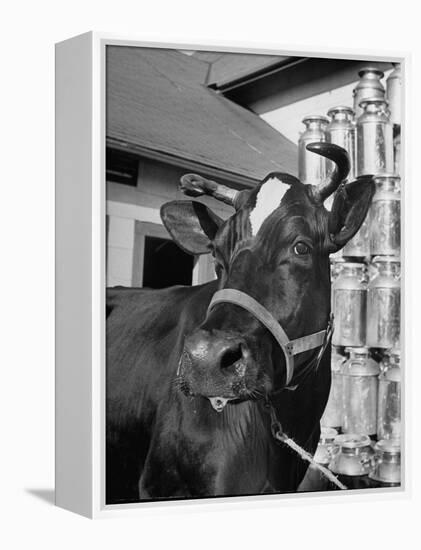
(147, 327)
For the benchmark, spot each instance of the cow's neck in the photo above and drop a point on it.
(240, 446)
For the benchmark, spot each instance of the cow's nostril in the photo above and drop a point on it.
(231, 356)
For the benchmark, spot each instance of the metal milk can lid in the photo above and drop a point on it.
(386, 176)
(374, 110)
(396, 73)
(315, 118)
(326, 444)
(371, 70)
(327, 435)
(392, 374)
(364, 366)
(369, 79)
(388, 446)
(386, 260)
(353, 458)
(355, 265)
(340, 109)
(352, 441)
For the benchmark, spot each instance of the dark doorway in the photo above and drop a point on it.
(165, 264)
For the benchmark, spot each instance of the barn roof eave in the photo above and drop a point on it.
(238, 180)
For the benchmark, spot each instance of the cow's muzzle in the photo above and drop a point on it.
(214, 365)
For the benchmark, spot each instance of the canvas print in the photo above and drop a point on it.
(253, 274)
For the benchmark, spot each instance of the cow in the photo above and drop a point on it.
(188, 386)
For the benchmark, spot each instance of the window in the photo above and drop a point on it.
(165, 264)
(122, 167)
(157, 261)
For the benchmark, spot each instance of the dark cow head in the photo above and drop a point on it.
(275, 248)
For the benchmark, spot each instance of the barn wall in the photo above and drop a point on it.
(120, 235)
(288, 119)
(157, 183)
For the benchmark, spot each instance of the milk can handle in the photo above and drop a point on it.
(366, 458)
(334, 451)
(375, 461)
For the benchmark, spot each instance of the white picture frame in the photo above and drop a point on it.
(80, 279)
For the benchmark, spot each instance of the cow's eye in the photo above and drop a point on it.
(301, 249)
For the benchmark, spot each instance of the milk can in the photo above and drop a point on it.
(350, 305)
(353, 460)
(397, 153)
(312, 168)
(385, 359)
(332, 416)
(374, 139)
(389, 402)
(325, 448)
(336, 264)
(393, 93)
(385, 216)
(383, 303)
(386, 463)
(369, 85)
(359, 245)
(359, 392)
(341, 131)
(314, 480)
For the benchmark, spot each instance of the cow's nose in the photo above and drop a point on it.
(215, 351)
(230, 354)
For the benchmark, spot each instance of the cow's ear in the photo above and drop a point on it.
(191, 224)
(349, 209)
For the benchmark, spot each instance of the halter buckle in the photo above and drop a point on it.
(289, 348)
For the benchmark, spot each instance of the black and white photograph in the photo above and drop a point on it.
(253, 273)
(210, 264)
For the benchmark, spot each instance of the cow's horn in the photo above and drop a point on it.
(342, 166)
(195, 186)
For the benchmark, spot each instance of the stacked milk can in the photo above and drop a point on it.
(360, 439)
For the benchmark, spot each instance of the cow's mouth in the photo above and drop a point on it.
(233, 379)
(219, 403)
(219, 395)
(218, 392)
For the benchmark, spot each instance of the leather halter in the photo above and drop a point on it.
(289, 347)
